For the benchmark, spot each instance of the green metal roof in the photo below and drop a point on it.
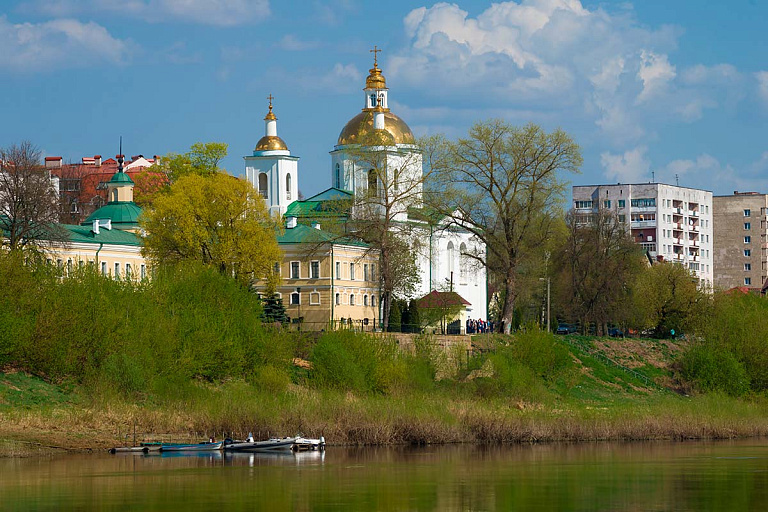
(83, 234)
(332, 194)
(302, 234)
(121, 214)
(325, 204)
(121, 177)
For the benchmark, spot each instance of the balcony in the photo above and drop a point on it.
(693, 228)
(693, 213)
(677, 241)
(643, 224)
(678, 257)
(677, 211)
(693, 243)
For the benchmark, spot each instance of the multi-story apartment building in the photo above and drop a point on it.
(671, 223)
(740, 254)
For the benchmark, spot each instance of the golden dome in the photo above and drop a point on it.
(375, 79)
(360, 126)
(270, 143)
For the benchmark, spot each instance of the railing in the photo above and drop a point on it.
(693, 213)
(643, 224)
(596, 354)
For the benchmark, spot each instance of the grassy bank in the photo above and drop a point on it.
(85, 360)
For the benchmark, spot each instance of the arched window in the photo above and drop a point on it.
(463, 263)
(373, 101)
(337, 177)
(114, 195)
(263, 188)
(373, 301)
(450, 256)
(373, 183)
(288, 186)
(397, 180)
(365, 300)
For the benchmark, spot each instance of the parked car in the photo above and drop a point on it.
(564, 329)
(615, 332)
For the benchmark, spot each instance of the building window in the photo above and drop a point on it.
(622, 203)
(580, 205)
(288, 186)
(314, 298)
(607, 203)
(352, 271)
(314, 269)
(373, 181)
(103, 268)
(622, 218)
(143, 271)
(747, 252)
(117, 271)
(295, 298)
(747, 267)
(338, 299)
(747, 225)
(365, 272)
(747, 281)
(373, 301)
(351, 299)
(276, 268)
(747, 213)
(643, 202)
(365, 300)
(295, 270)
(373, 272)
(263, 188)
(747, 239)
(338, 270)
(128, 271)
(337, 177)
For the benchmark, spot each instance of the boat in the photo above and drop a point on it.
(306, 444)
(270, 445)
(129, 449)
(199, 447)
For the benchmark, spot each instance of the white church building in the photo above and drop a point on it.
(376, 132)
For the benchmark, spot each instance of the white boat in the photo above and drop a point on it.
(270, 445)
(306, 444)
(199, 447)
(129, 449)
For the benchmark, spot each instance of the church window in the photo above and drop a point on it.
(338, 299)
(351, 299)
(288, 187)
(365, 300)
(263, 185)
(373, 100)
(373, 301)
(337, 177)
(450, 261)
(373, 271)
(463, 263)
(372, 183)
(295, 298)
(114, 195)
(365, 272)
(397, 180)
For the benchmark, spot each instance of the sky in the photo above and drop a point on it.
(675, 91)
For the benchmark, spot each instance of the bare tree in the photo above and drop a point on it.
(502, 184)
(29, 206)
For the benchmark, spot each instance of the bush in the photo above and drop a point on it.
(711, 368)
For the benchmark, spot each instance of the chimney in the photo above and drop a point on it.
(315, 225)
(53, 162)
(290, 222)
(97, 160)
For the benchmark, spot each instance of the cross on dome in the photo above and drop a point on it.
(270, 115)
(375, 52)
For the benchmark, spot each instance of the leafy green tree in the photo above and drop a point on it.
(203, 159)
(218, 220)
(668, 298)
(503, 184)
(599, 264)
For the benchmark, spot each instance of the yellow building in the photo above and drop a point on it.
(327, 282)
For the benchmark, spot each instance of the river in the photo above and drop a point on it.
(695, 476)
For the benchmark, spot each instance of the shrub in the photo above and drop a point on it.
(710, 368)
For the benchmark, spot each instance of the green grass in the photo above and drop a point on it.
(18, 389)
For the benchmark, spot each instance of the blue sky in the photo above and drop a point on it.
(675, 88)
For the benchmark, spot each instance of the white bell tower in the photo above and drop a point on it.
(271, 169)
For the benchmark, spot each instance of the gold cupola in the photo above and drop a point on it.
(270, 141)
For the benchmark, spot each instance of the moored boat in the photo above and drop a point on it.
(269, 445)
(306, 444)
(129, 449)
(199, 447)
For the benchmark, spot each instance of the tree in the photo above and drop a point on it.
(668, 298)
(29, 203)
(203, 159)
(502, 184)
(219, 220)
(599, 264)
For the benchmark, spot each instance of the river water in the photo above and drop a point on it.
(695, 476)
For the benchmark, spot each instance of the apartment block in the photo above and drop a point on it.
(740, 254)
(671, 223)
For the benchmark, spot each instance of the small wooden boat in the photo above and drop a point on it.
(270, 445)
(199, 447)
(305, 444)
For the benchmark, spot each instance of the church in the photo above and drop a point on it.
(376, 155)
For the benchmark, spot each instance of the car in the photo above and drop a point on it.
(564, 329)
(615, 332)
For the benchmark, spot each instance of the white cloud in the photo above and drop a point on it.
(292, 43)
(655, 72)
(762, 84)
(206, 12)
(62, 43)
(630, 167)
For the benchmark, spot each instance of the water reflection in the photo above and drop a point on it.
(596, 476)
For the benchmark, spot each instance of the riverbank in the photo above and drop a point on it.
(71, 422)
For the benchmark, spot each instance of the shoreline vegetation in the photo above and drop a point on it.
(85, 360)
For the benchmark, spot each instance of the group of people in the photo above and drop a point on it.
(478, 326)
